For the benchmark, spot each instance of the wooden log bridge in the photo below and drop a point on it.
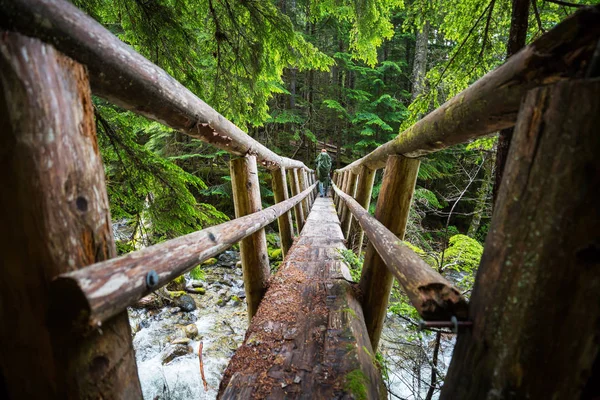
(308, 338)
(530, 331)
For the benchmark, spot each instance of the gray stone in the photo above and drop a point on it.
(173, 351)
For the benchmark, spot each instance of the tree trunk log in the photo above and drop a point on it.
(308, 339)
(364, 187)
(492, 103)
(55, 218)
(434, 297)
(393, 205)
(535, 305)
(280, 192)
(253, 249)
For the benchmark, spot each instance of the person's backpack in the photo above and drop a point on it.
(323, 166)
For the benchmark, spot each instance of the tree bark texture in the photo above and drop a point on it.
(420, 63)
(55, 218)
(393, 205)
(364, 187)
(253, 248)
(93, 294)
(434, 297)
(516, 41)
(124, 77)
(308, 339)
(492, 103)
(298, 210)
(280, 192)
(535, 305)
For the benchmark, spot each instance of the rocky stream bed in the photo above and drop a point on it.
(167, 339)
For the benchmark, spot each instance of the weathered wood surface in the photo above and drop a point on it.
(91, 295)
(298, 209)
(346, 219)
(434, 297)
(55, 218)
(364, 187)
(393, 205)
(492, 103)
(280, 193)
(308, 339)
(253, 248)
(303, 182)
(124, 77)
(338, 204)
(536, 301)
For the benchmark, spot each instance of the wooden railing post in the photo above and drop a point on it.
(295, 187)
(335, 180)
(535, 307)
(339, 205)
(303, 186)
(280, 190)
(393, 204)
(346, 214)
(364, 187)
(253, 249)
(55, 218)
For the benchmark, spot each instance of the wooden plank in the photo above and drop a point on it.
(308, 339)
(303, 182)
(124, 77)
(393, 205)
(364, 187)
(82, 298)
(55, 218)
(535, 305)
(492, 103)
(280, 192)
(434, 297)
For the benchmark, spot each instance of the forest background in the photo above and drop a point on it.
(299, 75)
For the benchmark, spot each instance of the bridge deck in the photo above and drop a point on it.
(308, 338)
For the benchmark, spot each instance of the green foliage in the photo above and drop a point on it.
(356, 383)
(198, 273)
(353, 262)
(463, 253)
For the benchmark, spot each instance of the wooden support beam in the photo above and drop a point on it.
(434, 297)
(364, 186)
(55, 218)
(339, 205)
(81, 298)
(280, 192)
(346, 214)
(298, 210)
(253, 249)
(492, 103)
(393, 205)
(535, 305)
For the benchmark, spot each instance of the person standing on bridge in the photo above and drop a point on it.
(323, 163)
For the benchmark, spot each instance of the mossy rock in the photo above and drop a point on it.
(177, 284)
(210, 261)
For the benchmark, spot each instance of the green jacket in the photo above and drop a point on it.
(323, 163)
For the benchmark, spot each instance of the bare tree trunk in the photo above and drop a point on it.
(482, 196)
(420, 63)
(516, 41)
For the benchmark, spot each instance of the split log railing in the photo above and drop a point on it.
(61, 281)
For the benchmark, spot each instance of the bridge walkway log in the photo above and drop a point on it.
(308, 338)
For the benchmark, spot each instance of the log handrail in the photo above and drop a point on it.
(492, 102)
(126, 78)
(434, 297)
(89, 296)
